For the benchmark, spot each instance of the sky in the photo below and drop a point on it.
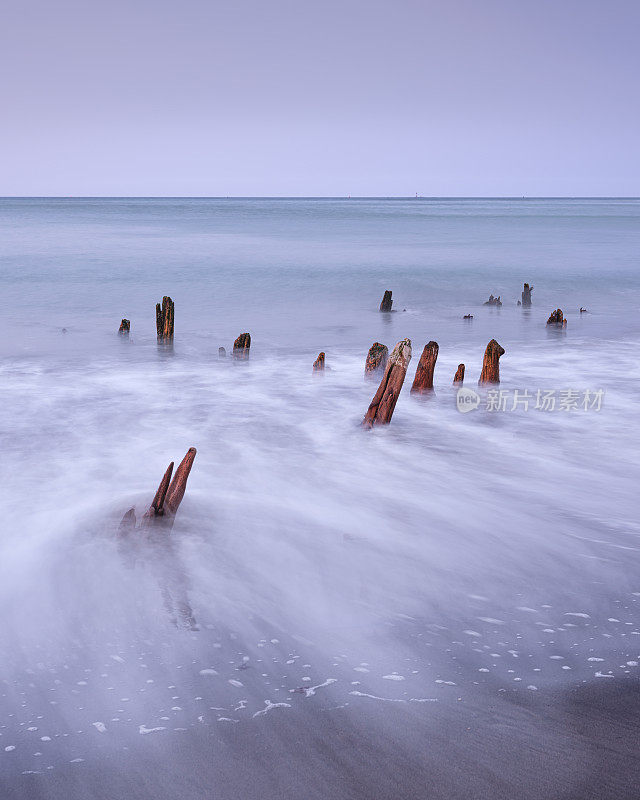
(331, 98)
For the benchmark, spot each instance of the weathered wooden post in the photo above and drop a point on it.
(458, 378)
(384, 402)
(557, 318)
(318, 364)
(222, 353)
(170, 492)
(241, 347)
(493, 301)
(387, 302)
(526, 295)
(125, 327)
(377, 358)
(156, 543)
(423, 381)
(490, 364)
(167, 499)
(164, 320)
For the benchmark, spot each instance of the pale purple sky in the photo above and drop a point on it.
(259, 97)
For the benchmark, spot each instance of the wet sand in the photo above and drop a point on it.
(581, 744)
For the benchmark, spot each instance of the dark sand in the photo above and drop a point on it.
(581, 744)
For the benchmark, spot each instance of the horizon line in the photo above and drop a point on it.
(316, 197)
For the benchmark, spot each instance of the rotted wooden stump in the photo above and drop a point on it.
(493, 301)
(557, 318)
(387, 302)
(458, 378)
(125, 327)
(526, 295)
(318, 364)
(491, 363)
(170, 492)
(164, 319)
(155, 545)
(222, 353)
(377, 358)
(384, 402)
(167, 499)
(241, 347)
(423, 381)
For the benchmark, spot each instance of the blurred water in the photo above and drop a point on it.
(445, 555)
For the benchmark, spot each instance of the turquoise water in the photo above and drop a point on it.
(430, 551)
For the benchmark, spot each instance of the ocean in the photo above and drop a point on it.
(448, 606)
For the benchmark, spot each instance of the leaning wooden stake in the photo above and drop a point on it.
(384, 402)
(156, 509)
(377, 358)
(557, 318)
(458, 378)
(164, 319)
(387, 302)
(125, 327)
(318, 364)
(241, 347)
(156, 543)
(526, 295)
(490, 365)
(423, 381)
(178, 485)
(170, 492)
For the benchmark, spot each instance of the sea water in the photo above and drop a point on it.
(448, 554)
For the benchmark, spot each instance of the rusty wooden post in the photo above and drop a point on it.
(384, 402)
(125, 327)
(458, 378)
(164, 319)
(490, 364)
(178, 485)
(377, 358)
(423, 381)
(318, 364)
(387, 302)
(241, 347)
(170, 492)
(557, 318)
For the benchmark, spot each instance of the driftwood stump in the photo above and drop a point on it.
(526, 295)
(387, 302)
(557, 318)
(423, 381)
(125, 327)
(241, 347)
(222, 353)
(491, 363)
(493, 301)
(384, 402)
(458, 378)
(156, 546)
(170, 492)
(318, 364)
(377, 358)
(164, 319)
